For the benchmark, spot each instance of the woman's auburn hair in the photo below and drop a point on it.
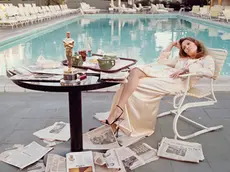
(201, 50)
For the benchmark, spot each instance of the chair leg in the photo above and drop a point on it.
(166, 113)
(204, 128)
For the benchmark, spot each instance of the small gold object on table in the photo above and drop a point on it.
(69, 76)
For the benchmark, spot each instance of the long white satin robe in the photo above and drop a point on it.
(142, 107)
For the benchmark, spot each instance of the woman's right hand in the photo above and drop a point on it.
(176, 44)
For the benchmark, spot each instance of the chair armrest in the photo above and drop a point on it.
(192, 74)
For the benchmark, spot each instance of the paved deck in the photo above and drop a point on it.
(24, 113)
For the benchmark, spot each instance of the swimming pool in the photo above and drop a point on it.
(142, 38)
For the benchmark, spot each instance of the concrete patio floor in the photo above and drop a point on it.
(24, 113)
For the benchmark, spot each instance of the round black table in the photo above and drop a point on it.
(75, 102)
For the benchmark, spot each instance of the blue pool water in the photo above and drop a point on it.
(140, 38)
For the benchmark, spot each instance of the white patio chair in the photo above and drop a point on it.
(226, 15)
(161, 6)
(138, 9)
(116, 9)
(195, 10)
(8, 21)
(127, 10)
(219, 56)
(154, 9)
(86, 8)
(204, 12)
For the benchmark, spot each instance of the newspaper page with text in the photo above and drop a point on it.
(58, 131)
(145, 152)
(80, 161)
(101, 138)
(128, 159)
(180, 150)
(55, 163)
(26, 156)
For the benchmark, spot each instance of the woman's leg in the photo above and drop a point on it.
(129, 88)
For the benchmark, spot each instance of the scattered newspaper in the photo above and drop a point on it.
(145, 152)
(9, 151)
(58, 131)
(26, 156)
(37, 167)
(117, 76)
(101, 138)
(99, 168)
(180, 150)
(108, 159)
(51, 143)
(125, 140)
(55, 163)
(128, 159)
(38, 77)
(80, 161)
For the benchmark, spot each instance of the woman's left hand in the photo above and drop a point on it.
(178, 73)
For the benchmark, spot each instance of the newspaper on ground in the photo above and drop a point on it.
(99, 168)
(10, 150)
(180, 150)
(55, 163)
(145, 152)
(80, 161)
(128, 159)
(122, 138)
(37, 167)
(26, 156)
(125, 140)
(51, 143)
(108, 159)
(101, 138)
(58, 131)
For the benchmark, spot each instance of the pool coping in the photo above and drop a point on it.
(8, 86)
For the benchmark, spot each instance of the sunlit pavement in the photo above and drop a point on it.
(24, 113)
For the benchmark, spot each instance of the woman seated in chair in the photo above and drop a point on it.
(135, 105)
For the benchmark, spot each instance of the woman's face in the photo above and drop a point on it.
(189, 48)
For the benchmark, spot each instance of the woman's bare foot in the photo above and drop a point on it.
(115, 116)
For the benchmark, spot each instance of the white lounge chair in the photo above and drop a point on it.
(138, 9)
(8, 21)
(154, 9)
(195, 10)
(206, 94)
(86, 8)
(161, 6)
(127, 10)
(226, 15)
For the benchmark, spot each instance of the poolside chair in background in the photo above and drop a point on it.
(161, 6)
(138, 9)
(204, 12)
(214, 13)
(8, 21)
(127, 10)
(208, 94)
(86, 8)
(195, 10)
(154, 9)
(226, 15)
(115, 9)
